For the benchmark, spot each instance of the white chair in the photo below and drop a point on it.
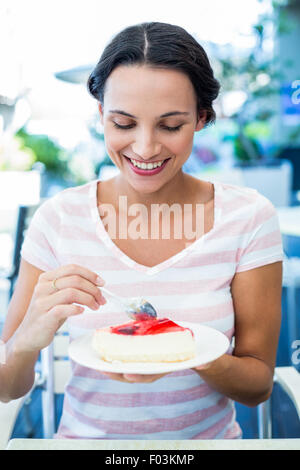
(291, 280)
(289, 379)
(9, 413)
(52, 374)
(55, 372)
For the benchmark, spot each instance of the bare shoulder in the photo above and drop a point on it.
(27, 279)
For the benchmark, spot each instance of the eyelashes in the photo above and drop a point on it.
(131, 126)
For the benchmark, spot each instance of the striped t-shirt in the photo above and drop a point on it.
(193, 286)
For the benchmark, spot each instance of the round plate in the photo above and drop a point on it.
(210, 344)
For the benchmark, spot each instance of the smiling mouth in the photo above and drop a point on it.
(147, 166)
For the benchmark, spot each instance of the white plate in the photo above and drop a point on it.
(210, 344)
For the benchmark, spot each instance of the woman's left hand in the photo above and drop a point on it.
(146, 378)
(203, 367)
(134, 378)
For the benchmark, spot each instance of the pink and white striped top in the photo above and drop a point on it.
(193, 285)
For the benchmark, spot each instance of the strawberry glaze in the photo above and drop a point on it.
(147, 327)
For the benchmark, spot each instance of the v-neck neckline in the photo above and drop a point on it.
(149, 270)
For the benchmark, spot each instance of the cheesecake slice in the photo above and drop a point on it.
(154, 340)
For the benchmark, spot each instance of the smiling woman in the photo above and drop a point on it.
(155, 88)
(152, 97)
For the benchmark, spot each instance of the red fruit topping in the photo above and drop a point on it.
(147, 327)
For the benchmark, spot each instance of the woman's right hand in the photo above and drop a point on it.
(52, 303)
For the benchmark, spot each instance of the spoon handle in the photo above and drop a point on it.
(114, 296)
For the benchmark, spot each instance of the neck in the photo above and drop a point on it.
(179, 190)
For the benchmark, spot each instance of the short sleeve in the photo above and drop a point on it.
(262, 242)
(40, 243)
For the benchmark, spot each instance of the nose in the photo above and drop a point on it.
(145, 146)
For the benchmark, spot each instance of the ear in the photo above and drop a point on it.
(100, 107)
(201, 120)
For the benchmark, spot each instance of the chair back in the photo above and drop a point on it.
(55, 371)
(24, 214)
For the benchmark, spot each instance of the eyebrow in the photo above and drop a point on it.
(171, 113)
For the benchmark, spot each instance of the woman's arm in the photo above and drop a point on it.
(36, 312)
(17, 374)
(247, 375)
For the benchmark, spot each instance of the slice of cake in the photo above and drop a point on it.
(155, 340)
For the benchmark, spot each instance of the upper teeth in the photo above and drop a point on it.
(146, 166)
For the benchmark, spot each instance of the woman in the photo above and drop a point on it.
(155, 88)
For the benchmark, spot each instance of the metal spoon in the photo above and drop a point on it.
(136, 308)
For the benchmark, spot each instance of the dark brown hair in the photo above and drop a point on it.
(159, 45)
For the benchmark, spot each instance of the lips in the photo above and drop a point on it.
(140, 171)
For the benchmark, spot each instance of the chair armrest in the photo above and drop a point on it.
(9, 413)
(289, 379)
(8, 416)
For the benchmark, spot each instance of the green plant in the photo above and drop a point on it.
(258, 74)
(14, 156)
(50, 154)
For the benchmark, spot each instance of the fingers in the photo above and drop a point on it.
(139, 378)
(204, 366)
(133, 378)
(73, 283)
(71, 295)
(58, 314)
(114, 376)
(72, 269)
(49, 308)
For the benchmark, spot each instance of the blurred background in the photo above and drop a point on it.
(50, 136)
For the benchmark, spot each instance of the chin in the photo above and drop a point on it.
(146, 187)
(144, 191)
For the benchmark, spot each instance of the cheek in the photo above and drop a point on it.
(181, 144)
(115, 141)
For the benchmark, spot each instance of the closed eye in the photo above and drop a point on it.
(172, 129)
(166, 128)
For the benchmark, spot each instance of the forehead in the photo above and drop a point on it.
(135, 86)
